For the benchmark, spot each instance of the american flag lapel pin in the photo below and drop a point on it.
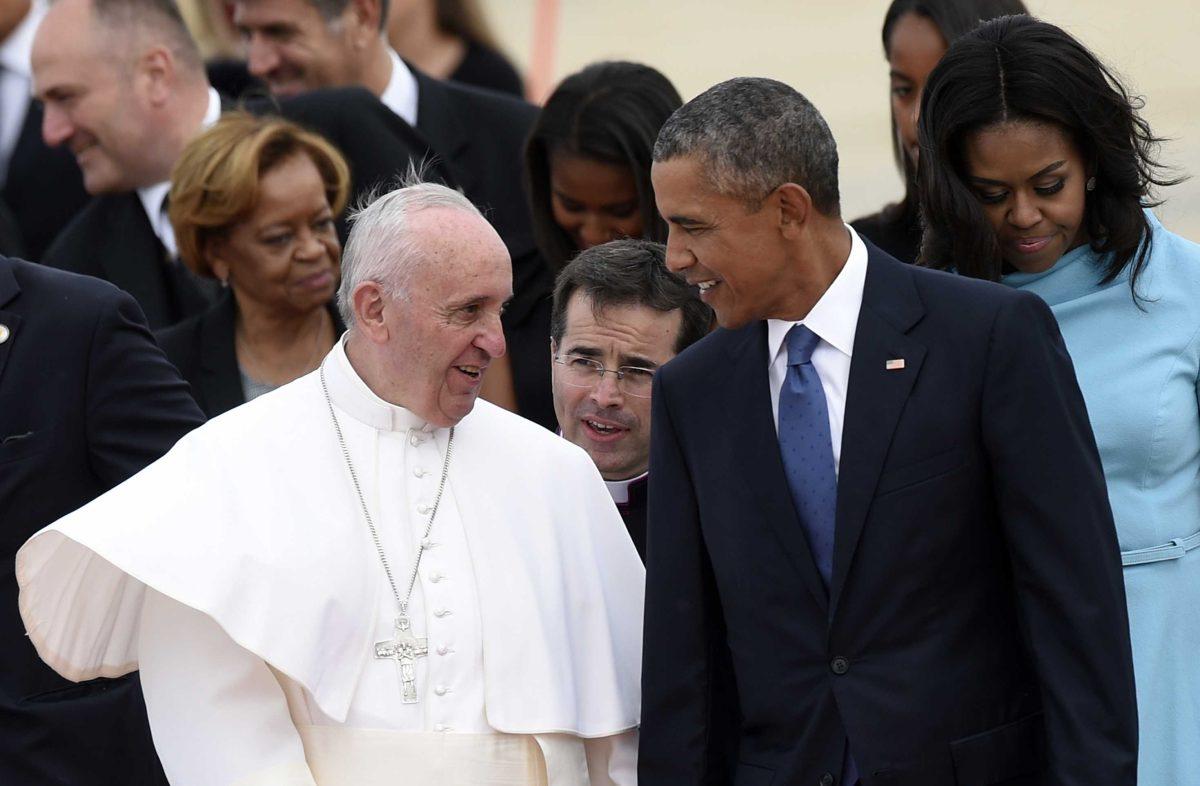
(895, 364)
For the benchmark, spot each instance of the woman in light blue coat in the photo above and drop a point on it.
(1037, 171)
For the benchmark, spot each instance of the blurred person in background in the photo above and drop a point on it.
(124, 89)
(587, 161)
(1044, 184)
(253, 202)
(915, 36)
(450, 39)
(619, 315)
(41, 189)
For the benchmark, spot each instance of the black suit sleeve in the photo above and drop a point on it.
(685, 713)
(1050, 489)
(137, 405)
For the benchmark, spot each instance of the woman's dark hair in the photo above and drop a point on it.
(610, 112)
(1019, 69)
(953, 19)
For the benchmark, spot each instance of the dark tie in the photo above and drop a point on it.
(807, 449)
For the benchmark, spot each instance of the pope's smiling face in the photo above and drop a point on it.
(444, 327)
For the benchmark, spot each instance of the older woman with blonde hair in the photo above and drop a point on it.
(253, 202)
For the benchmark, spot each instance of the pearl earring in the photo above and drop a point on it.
(1090, 185)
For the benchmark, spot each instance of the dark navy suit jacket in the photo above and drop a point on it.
(975, 629)
(86, 400)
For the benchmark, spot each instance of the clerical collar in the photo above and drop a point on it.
(400, 95)
(352, 395)
(154, 197)
(619, 489)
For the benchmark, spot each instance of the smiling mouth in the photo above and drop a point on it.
(474, 372)
(1031, 245)
(705, 286)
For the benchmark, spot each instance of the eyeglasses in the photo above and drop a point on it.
(581, 372)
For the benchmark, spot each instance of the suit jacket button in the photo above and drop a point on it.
(827, 779)
(839, 665)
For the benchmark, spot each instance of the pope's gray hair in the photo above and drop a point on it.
(752, 135)
(381, 248)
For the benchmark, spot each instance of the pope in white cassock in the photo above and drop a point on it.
(366, 576)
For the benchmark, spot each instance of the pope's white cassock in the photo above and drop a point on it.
(239, 575)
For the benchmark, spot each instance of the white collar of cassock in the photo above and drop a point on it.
(351, 394)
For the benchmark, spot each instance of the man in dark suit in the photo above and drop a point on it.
(300, 45)
(41, 187)
(618, 316)
(86, 400)
(127, 133)
(878, 510)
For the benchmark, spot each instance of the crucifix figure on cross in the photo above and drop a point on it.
(404, 648)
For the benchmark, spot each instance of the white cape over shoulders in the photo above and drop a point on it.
(251, 520)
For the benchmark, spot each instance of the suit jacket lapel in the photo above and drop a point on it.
(9, 290)
(220, 380)
(875, 398)
(757, 451)
(442, 128)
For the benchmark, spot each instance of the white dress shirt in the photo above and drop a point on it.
(16, 82)
(400, 95)
(153, 197)
(834, 319)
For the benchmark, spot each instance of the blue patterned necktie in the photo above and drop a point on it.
(807, 449)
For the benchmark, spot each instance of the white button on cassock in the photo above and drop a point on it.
(415, 440)
(420, 472)
(440, 690)
(436, 577)
(423, 509)
(442, 650)
(441, 613)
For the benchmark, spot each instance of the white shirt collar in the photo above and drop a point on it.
(400, 95)
(353, 395)
(152, 196)
(619, 489)
(17, 49)
(834, 317)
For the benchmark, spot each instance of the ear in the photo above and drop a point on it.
(362, 19)
(155, 74)
(794, 207)
(369, 303)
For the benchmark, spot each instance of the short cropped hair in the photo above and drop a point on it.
(332, 9)
(215, 184)
(380, 247)
(629, 273)
(160, 16)
(752, 135)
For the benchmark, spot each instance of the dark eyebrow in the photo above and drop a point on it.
(639, 361)
(894, 74)
(684, 221)
(1043, 171)
(583, 351)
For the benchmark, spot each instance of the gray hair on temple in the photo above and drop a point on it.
(380, 247)
(751, 136)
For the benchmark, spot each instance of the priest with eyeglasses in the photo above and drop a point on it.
(367, 576)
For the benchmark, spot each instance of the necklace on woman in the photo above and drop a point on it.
(405, 647)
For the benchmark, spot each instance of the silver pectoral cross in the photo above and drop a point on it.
(405, 648)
